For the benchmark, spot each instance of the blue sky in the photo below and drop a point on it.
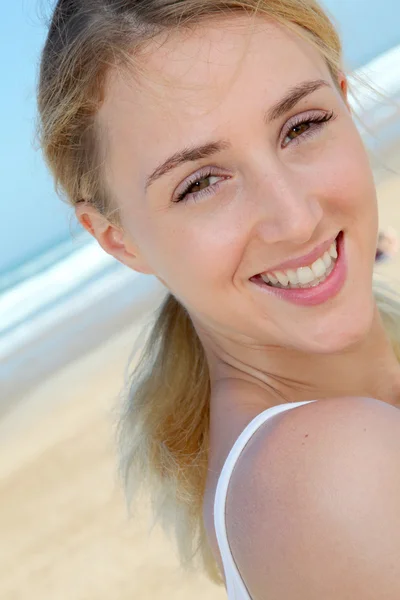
(33, 218)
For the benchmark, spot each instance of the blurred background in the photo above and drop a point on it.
(69, 318)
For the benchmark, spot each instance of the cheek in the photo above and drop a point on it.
(195, 253)
(207, 248)
(344, 178)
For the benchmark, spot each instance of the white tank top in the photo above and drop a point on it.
(236, 588)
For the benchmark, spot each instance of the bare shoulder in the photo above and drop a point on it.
(313, 507)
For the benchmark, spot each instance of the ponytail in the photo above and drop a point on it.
(163, 431)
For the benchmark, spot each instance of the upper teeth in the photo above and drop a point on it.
(310, 274)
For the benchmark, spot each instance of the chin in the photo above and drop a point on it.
(343, 332)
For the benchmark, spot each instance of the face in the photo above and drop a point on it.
(234, 154)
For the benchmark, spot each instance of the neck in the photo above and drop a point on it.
(368, 368)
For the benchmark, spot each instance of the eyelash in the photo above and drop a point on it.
(315, 120)
(197, 177)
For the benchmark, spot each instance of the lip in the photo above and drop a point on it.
(303, 261)
(321, 292)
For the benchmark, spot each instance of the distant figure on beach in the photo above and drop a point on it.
(388, 245)
(211, 145)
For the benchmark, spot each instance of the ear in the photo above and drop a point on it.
(111, 238)
(344, 88)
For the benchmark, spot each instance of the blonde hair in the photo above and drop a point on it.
(164, 425)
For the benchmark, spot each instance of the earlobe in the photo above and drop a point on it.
(116, 243)
(110, 237)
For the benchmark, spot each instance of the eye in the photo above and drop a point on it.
(201, 184)
(305, 125)
(297, 130)
(198, 185)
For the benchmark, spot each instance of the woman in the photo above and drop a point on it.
(211, 144)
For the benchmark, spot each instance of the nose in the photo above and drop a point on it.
(290, 211)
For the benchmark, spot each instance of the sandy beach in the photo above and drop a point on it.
(65, 532)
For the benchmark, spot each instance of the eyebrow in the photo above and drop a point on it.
(187, 155)
(294, 95)
(191, 154)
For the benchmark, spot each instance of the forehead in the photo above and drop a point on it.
(206, 60)
(188, 84)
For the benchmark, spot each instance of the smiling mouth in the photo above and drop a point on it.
(307, 276)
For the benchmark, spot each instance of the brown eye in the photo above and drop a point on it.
(199, 185)
(306, 127)
(297, 130)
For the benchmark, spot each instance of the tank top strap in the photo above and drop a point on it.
(235, 585)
